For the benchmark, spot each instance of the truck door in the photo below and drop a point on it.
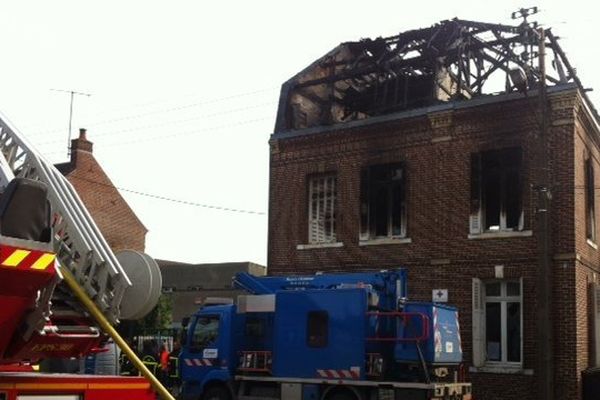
(202, 351)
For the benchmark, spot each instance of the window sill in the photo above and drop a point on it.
(319, 246)
(502, 369)
(376, 242)
(592, 244)
(500, 234)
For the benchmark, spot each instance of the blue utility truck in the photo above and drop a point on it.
(348, 336)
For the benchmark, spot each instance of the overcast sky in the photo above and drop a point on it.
(184, 94)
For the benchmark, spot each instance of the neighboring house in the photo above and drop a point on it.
(427, 150)
(189, 285)
(121, 228)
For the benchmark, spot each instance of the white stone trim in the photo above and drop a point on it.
(376, 242)
(500, 234)
(319, 246)
(502, 369)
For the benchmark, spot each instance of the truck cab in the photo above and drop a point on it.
(208, 360)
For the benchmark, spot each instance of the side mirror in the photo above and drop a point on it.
(185, 322)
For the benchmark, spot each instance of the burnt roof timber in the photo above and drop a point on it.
(556, 47)
(488, 26)
(413, 34)
(466, 52)
(394, 64)
(419, 112)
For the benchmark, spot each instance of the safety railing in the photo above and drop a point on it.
(405, 318)
(374, 365)
(255, 361)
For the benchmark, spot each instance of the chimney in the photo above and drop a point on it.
(81, 143)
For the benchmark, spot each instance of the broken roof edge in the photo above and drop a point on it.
(290, 83)
(453, 105)
(471, 23)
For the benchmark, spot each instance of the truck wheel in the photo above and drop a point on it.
(216, 393)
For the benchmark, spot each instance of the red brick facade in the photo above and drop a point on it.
(435, 146)
(117, 221)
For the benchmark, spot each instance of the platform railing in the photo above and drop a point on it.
(255, 361)
(405, 318)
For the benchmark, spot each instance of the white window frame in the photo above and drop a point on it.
(479, 323)
(321, 208)
(590, 200)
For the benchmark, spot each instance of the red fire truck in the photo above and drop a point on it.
(62, 289)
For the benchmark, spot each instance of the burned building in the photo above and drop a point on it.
(465, 152)
(451, 61)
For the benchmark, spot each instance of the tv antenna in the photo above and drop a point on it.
(72, 93)
(524, 13)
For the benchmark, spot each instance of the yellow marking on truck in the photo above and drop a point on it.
(115, 386)
(50, 386)
(15, 258)
(4, 386)
(43, 262)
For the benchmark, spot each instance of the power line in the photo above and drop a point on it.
(188, 133)
(102, 134)
(185, 133)
(172, 109)
(164, 198)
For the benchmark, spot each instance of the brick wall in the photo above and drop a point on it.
(436, 149)
(586, 146)
(119, 225)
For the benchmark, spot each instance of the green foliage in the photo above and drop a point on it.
(158, 319)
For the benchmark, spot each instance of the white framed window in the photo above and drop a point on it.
(496, 191)
(590, 200)
(322, 197)
(497, 323)
(383, 202)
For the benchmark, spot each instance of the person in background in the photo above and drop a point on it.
(149, 353)
(164, 363)
(174, 380)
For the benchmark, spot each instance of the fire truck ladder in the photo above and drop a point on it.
(78, 243)
(95, 280)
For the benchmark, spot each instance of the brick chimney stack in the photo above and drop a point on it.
(81, 143)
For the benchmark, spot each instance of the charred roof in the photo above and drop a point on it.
(454, 60)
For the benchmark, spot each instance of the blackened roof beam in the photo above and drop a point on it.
(452, 60)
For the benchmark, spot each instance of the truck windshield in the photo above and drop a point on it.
(206, 331)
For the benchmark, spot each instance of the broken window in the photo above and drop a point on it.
(383, 202)
(496, 191)
(321, 208)
(590, 201)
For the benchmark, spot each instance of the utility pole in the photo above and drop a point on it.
(72, 93)
(545, 367)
